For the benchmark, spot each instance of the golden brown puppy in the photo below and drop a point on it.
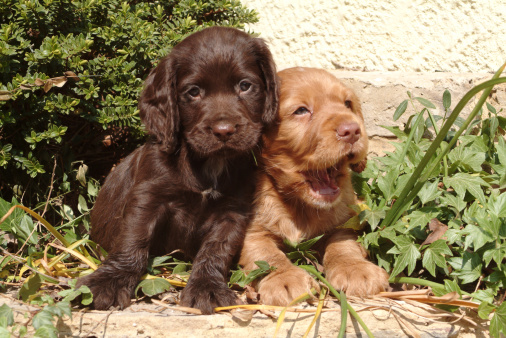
(305, 189)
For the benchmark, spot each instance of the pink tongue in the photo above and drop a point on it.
(323, 184)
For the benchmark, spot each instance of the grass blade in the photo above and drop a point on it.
(317, 313)
(297, 300)
(311, 269)
(344, 315)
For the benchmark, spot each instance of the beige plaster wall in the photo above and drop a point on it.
(381, 35)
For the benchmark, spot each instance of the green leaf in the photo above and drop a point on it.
(400, 109)
(421, 217)
(43, 318)
(435, 255)
(497, 205)
(373, 217)
(264, 265)
(467, 268)
(6, 312)
(498, 323)
(429, 192)
(485, 309)
(4, 333)
(447, 99)
(47, 331)
(30, 287)
(425, 102)
(476, 237)
(151, 287)
(308, 244)
(387, 183)
(408, 256)
(463, 182)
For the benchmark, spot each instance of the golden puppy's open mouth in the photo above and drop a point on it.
(324, 183)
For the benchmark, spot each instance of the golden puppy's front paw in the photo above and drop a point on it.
(281, 287)
(358, 278)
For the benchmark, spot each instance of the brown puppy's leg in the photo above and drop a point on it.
(285, 283)
(347, 268)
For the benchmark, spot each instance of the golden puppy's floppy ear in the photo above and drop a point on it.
(158, 104)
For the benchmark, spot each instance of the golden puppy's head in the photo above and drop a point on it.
(319, 134)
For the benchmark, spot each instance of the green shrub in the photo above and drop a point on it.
(70, 73)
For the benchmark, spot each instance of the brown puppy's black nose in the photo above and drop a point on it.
(223, 130)
(349, 132)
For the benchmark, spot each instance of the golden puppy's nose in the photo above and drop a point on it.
(223, 130)
(349, 132)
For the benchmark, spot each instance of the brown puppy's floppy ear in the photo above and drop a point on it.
(360, 166)
(158, 104)
(271, 81)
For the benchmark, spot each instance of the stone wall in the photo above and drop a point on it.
(382, 49)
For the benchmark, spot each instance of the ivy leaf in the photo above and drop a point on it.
(408, 256)
(476, 237)
(453, 202)
(429, 192)
(373, 217)
(498, 323)
(46, 331)
(497, 205)
(43, 318)
(467, 268)
(463, 182)
(385, 183)
(435, 255)
(6, 312)
(151, 287)
(421, 217)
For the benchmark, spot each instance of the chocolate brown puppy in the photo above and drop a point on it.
(190, 187)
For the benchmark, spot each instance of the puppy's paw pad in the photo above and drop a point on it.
(281, 287)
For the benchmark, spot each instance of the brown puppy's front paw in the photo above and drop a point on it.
(358, 278)
(205, 296)
(281, 287)
(108, 290)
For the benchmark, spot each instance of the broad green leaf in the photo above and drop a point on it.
(151, 287)
(400, 109)
(497, 205)
(435, 255)
(387, 183)
(453, 202)
(408, 256)
(421, 218)
(429, 192)
(463, 182)
(4, 333)
(466, 158)
(485, 309)
(467, 268)
(425, 102)
(43, 318)
(476, 237)
(486, 296)
(6, 312)
(498, 323)
(46, 331)
(373, 217)
(30, 287)
(496, 254)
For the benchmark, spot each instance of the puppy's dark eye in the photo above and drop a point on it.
(244, 86)
(347, 103)
(194, 92)
(301, 111)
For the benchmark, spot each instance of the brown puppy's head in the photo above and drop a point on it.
(214, 92)
(319, 134)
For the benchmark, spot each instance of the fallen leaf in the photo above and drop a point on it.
(72, 75)
(39, 82)
(438, 230)
(47, 86)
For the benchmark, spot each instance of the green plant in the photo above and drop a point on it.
(70, 76)
(437, 208)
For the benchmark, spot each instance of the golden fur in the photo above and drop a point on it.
(305, 189)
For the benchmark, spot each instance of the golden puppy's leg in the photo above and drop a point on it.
(285, 283)
(347, 268)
